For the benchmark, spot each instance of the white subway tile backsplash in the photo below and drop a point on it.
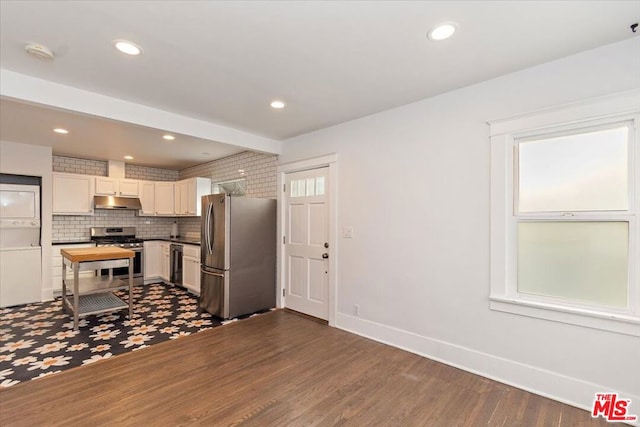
(259, 169)
(72, 228)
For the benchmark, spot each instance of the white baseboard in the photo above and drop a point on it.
(572, 391)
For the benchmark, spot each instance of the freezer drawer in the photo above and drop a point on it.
(212, 293)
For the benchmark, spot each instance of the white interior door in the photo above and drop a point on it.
(306, 242)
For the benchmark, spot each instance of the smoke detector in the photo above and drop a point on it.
(39, 51)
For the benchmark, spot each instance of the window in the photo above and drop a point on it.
(564, 239)
(307, 187)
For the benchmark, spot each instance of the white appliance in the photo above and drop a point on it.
(20, 252)
(19, 215)
(20, 276)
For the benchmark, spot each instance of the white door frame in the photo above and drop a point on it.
(330, 161)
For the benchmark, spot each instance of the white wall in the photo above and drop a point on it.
(414, 184)
(34, 160)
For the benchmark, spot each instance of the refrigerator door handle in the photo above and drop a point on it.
(208, 227)
(212, 274)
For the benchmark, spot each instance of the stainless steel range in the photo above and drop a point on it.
(122, 237)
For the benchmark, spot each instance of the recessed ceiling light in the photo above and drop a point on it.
(128, 157)
(277, 104)
(125, 46)
(168, 137)
(61, 130)
(39, 51)
(442, 31)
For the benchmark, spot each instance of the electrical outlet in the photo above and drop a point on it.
(347, 232)
(356, 310)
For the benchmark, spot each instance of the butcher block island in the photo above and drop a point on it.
(93, 295)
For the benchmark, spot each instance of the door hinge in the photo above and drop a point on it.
(282, 291)
(284, 188)
(284, 240)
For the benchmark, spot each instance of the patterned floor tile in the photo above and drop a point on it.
(38, 339)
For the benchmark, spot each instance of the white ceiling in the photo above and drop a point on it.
(223, 62)
(98, 138)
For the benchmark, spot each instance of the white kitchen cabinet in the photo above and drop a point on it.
(191, 268)
(152, 260)
(188, 195)
(165, 261)
(147, 194)
(181, 197)
(73, 194)
(164, 198)
(56, 264)
(106, 186)
(128, 188)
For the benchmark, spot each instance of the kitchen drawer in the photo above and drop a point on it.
(56, 271)
(56, 265)
(191, 251)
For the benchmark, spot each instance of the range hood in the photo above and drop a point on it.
(112, 202)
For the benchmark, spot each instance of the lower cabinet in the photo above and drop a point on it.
(191, 268)
(165, 261)
(152, 260)
(157, 264)
(56, 265)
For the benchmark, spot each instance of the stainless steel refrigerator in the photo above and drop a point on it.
(238, 255)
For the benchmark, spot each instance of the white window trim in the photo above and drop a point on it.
(503, 132)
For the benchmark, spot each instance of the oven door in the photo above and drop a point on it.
(123, 272)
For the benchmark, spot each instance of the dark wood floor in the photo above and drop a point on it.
(277, 369)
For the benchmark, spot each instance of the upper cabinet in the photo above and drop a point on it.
(128, 188)
(181, 201)
(106, 186)
(147, 193)
(164, 198)
(73, 194)
(188, 195)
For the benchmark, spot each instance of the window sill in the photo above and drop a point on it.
(620, 323)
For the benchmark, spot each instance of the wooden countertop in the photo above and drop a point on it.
(96, 254)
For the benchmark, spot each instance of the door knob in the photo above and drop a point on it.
(326, 244)
(325, 255)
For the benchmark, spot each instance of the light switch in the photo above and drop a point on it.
(347, 232)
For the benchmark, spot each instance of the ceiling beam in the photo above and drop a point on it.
(30, 89)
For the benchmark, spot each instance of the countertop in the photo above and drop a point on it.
(183, 240)
(96, 254)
